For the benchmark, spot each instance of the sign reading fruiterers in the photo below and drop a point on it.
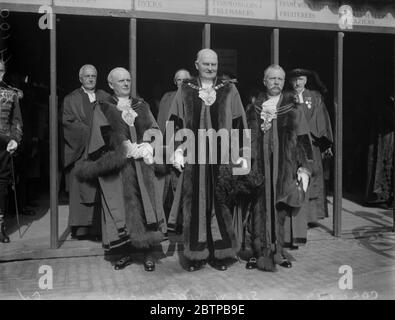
(197, 7)
(345, 17)
(97, 4)
(251, 9)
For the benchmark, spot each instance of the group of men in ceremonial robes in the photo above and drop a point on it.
(267, 168)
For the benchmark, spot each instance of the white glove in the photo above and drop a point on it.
(146, 152)
(178, 160)
(244, 163)
(131, 149)
(303, 178)
(11, 146)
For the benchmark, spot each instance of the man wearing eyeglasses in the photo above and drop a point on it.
(10, 138)
(76, 117)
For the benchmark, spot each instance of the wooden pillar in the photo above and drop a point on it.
(133, 54)
(275, 47)
(338, 100)
(206, 37)
(53, 139)
(393, 157)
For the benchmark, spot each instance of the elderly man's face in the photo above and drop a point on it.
(180, 77)
(207, 66)
(88, 78)
(274, 82)
(121, 83)
(299, 83)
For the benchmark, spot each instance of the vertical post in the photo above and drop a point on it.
(206, 43)
(275, 47)
(338, 99)
(53, 139)
(393, 154)
(133, 54)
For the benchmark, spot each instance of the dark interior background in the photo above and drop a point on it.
(164, 47)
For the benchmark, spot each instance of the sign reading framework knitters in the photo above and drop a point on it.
(253, 9)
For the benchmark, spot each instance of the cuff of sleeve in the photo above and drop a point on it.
(304, 170)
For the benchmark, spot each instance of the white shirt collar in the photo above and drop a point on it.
(91, 95)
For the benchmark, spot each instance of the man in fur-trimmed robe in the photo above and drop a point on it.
(313, 106)
(76, 117)
(119, 163)
(281, 153)
(206, 102)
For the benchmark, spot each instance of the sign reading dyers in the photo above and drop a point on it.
(197, 7)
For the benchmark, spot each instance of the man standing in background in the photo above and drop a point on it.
(76, 119)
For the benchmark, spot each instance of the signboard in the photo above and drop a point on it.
(197, 7)
(100, 4)
(36, 2)
(251, 9)
(346, 18)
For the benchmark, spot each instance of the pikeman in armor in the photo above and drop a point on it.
(10, 138)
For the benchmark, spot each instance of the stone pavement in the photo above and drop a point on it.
(367, 246)
(315, 275)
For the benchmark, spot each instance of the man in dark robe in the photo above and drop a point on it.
(10, 138)
(379, 188)
(313, 106)
(118, 164)
(280, 153)
(203, 103)
(168, 180)
(76, 117)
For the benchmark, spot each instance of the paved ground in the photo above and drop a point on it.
(367, 247)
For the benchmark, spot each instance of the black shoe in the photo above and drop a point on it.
(286, 264)
(251, 264)
(293, 247)
(3, 235)
(195, 265)
(123, 263)
(149, 264)
(219, 264)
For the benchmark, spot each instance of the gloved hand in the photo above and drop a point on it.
(178, 160)
(12, 146)
(131, 149)
(303, 178)
(243, 162)
(146, 152)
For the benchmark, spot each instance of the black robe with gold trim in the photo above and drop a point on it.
(208, 226)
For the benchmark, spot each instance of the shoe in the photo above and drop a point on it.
(251, 264)
(219, 264)
(293, 247)
(195, 265)
(3, 235)
(123, 263)
(149, 263)
(286, 264)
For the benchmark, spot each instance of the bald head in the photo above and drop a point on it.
(180, 76)
(119, 80)
(207, 64)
